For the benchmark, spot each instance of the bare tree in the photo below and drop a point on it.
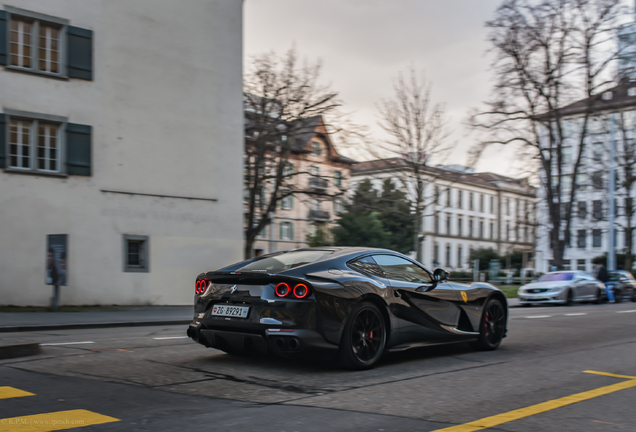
(549, 53)
(284, 102)
(417, 130)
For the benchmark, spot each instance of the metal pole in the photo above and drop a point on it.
(56, 297)
(611, 253)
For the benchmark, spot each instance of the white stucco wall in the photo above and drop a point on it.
(166, 115)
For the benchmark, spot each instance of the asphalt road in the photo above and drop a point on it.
(153, 378)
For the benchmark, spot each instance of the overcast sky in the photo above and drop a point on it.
(365, 43)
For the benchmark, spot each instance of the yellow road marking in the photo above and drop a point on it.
(10, 392)
(54, 421)
(496, 420)
(610, 374)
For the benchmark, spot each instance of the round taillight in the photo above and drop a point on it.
(201, 285)
(282, 289)
(301, 291)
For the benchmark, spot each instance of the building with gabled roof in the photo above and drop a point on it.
(318, 189)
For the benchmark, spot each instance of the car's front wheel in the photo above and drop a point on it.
(364, 337)
(599, 296)
(492, 326)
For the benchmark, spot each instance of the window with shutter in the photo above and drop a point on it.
(44, 144)
(43, 44)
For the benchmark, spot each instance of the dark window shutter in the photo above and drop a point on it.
(3, 37)
(80, 53)
(78, 149)
(3, 145)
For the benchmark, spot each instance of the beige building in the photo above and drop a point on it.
(464, 210)
(121, 127)
(322, 181)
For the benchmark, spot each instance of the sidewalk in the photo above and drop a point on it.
(121, 317)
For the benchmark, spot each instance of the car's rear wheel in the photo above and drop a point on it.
(568, 298)
(364, 337)
(492, 326)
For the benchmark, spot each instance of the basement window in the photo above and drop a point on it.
(136, 253)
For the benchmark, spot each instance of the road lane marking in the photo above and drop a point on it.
(54, 421)
(68, 343)
(610, 374)
(628, 311)
(576, 314)
(539, 316)
(496, 420)
(11, 392)
(171, 337)
(615, 424)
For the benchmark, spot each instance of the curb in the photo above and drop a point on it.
(13, 348)
(47, 327)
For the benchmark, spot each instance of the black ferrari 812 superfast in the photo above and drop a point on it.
(351, 302)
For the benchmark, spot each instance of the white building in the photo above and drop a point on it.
(121, 127)
(464, 210)
(589, 225)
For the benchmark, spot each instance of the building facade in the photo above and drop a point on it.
(320, 184)
(121, 127)
(464, 210)
(589, 229)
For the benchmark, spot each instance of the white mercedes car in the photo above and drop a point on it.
(561, 287)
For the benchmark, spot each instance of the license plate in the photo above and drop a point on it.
(230, 311)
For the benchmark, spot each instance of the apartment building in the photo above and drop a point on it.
(464, 210)
(614, 109)
(121, 134)
(319, 191)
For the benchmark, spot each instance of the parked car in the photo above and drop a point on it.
(623, 285)
(561, 287)
(351, 302)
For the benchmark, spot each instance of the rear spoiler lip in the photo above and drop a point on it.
(265, 278)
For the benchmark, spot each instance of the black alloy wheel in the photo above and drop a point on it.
(492, 326)
(568, 301)
(364, 337)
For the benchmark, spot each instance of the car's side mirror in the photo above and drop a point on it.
(440, 275)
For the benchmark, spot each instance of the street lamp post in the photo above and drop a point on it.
(611, 253)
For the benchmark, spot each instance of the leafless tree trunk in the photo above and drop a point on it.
(417, 131)
(549, 53)
(283, 101)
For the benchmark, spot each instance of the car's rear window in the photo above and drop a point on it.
(556, 277)
(286, 261)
